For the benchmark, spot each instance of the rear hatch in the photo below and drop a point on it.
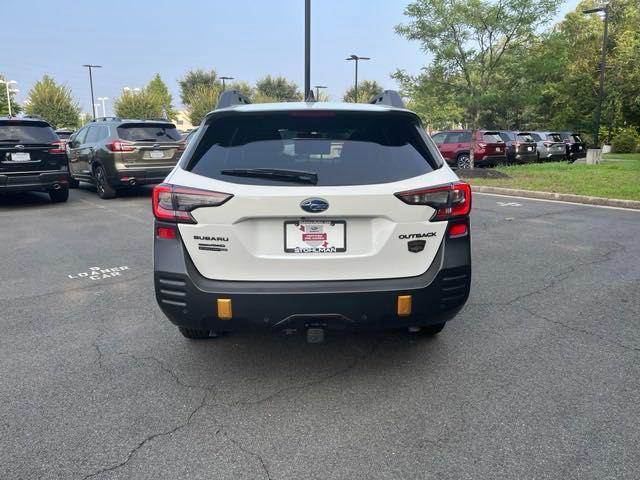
(28, 146)
(577, 144)
(147, 144)
(555, 144)
(491, 145)
(525, 144)
(312, 195)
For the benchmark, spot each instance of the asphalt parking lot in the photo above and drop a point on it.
(536, 378)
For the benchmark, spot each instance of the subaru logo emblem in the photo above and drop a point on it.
(19, 147)
(314, 205)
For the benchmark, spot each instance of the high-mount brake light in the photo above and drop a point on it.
(120, 146)
(175, 204)
(58, 147)
(317, 113)
(449, 201)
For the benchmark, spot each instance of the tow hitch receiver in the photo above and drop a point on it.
(315, 335)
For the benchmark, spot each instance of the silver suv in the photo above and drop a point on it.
(113, 153)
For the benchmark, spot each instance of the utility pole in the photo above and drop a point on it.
(90, 67)
(603, 60)
(356, 58)
(307, 49)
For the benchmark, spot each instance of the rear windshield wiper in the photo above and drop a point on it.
(9, 139)
(145, 140)
(299, 176)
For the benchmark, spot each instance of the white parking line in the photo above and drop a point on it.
(557, 201)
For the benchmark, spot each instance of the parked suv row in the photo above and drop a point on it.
(32, 158)
(494, 147)
(115, 153)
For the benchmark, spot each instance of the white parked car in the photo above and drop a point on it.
(311, 216)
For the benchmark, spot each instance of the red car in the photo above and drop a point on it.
(455, 146)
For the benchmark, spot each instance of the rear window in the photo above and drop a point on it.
(554, 137)
(525, 137)
(26, 132)
(536, 137)
(458, 137)
(506, 136)
(576, 138)
(341, 148)
(148, 132)
(492, 137)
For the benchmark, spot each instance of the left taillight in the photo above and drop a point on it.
(182, 146)
(448, 201)
(58, 147)
(172, 203)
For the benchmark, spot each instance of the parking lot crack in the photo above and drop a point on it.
(149, 438)
(245, 450)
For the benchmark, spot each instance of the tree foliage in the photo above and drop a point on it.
(366, 90)
(201, 100)
(470, 41)
(4, 109)
(159, 89)
(276, 89)
(194, 79)
(54, 103)
(493, 67)
(144, 104)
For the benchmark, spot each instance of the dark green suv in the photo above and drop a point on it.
(115, 153)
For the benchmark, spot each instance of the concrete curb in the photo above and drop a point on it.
(563, 197)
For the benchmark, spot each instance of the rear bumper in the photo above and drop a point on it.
(189, 300)
(577, 154)
(135, 176)
(526, 157)
(489, 160)
(24, 182)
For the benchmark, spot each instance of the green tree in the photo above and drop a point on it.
(159, 89)
(54, 103)
(194, 79)
(469, 41)
(243, 87)
(366, 90)
(143, 105)
(202, 100)
(4, 109)
(276, 89)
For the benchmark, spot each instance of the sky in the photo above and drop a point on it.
(245, 39)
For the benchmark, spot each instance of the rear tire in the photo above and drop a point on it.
(105, 191)
(463, 161)
(194, 334)
(59, 196)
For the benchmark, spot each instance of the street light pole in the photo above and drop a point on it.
(224, 85)
(356, 58)
(6, 84)
(318, 87)
(90, 67)
(603, 59)
(307, 49)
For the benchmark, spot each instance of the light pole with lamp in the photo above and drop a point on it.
(605, 39)
(91, 67)
(9, 91)
(318, 87)
(356, 58)
(224, 79)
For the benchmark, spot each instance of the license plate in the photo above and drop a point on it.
(315, 236)
(20, 157)
(156, 154)
(498, 149)
(529, 149)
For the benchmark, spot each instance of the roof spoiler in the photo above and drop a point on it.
(388, 97)
(230, 98)
(106, 119)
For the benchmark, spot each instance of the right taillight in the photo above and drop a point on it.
(175, 204)
(449, 201)
(120, 146)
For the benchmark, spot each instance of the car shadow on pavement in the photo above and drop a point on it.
(143, 191)
(24, 199)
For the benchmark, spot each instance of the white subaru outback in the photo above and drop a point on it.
(311, 216)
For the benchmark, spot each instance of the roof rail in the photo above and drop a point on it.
(230, 98)
(105, 119)
(388, 97)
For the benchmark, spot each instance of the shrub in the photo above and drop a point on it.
(626, 141)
